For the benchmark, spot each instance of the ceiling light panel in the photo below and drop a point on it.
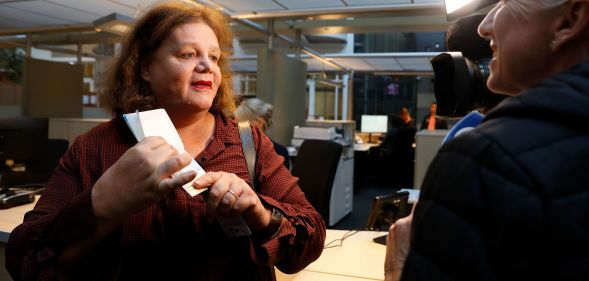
(22, 10)
(429, 2)
(64, 14)
(99, 8)
(311, 4)
(240, 6)
(8, 20)
(376, 2)
(139, 4)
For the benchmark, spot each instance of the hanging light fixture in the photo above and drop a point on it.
(114, 23)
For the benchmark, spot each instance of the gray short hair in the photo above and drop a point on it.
(521, 6)
(254, 108)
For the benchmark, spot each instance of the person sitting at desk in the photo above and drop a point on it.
(508, 199)
(112, 209)
(431, 122)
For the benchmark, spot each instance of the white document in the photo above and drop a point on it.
(157, 123)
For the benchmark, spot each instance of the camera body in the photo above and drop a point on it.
(460, 85)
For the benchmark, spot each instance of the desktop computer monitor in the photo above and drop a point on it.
(373, 124)
(23, 146)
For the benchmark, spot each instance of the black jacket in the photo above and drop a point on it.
(510, 199)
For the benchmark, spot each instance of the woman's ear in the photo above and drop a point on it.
(574, 23)
(145, 74)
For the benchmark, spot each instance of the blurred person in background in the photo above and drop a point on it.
(259, 113)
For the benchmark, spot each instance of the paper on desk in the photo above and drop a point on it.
(157, 123)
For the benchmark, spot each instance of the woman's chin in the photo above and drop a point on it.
(200, 105)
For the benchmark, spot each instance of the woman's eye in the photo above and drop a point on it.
(188, 55)
(214, 58)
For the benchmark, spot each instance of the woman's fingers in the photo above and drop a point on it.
(228, 194)
(168, 185)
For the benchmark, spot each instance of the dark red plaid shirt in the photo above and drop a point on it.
(170, 240)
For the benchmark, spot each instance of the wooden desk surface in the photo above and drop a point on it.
(359, 258)
(13, 217)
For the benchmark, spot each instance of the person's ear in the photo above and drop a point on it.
(145, 74)
(573, 23)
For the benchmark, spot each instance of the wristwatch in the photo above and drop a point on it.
(273, 225)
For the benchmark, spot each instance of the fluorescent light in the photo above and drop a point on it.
(453, 5)
(460, 8)
(114, 23)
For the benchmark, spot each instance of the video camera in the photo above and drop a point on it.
(460, 83)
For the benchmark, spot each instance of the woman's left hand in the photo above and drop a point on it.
(231, 195)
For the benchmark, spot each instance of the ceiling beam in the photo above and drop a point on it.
(351, 10)
(48, 29)
(290, 41)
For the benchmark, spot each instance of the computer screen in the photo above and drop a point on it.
(374, 124)
(23, 140)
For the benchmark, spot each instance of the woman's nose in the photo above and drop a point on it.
(204, 65)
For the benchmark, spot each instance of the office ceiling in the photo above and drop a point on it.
(68, 22)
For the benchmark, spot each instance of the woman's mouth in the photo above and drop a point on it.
(202, 84)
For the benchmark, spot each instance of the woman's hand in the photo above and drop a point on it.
(398, 241)
(138, 179)
(230, 195)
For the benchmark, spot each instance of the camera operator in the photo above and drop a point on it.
(461, 74)
(509, 199)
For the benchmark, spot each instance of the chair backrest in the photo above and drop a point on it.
(315, 166)
(57, 147)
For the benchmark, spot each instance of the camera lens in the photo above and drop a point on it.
(460, 85)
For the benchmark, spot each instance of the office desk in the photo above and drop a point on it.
(364, 146)
(359, 258)
(11, 218)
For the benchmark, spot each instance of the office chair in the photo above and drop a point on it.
(56, 149)
(315, 166)
(396, 157)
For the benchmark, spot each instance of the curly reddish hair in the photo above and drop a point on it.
(126, 91)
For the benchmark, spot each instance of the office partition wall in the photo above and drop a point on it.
(281, 81)
(52, 89)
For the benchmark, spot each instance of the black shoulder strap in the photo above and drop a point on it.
(249, 150)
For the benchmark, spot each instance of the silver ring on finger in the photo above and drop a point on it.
(233, 193)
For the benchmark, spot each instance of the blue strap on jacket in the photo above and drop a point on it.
(465, 124)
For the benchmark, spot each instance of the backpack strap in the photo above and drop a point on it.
(249, 150)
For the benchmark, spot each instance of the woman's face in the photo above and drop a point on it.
(520, 46)
(183, 74)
